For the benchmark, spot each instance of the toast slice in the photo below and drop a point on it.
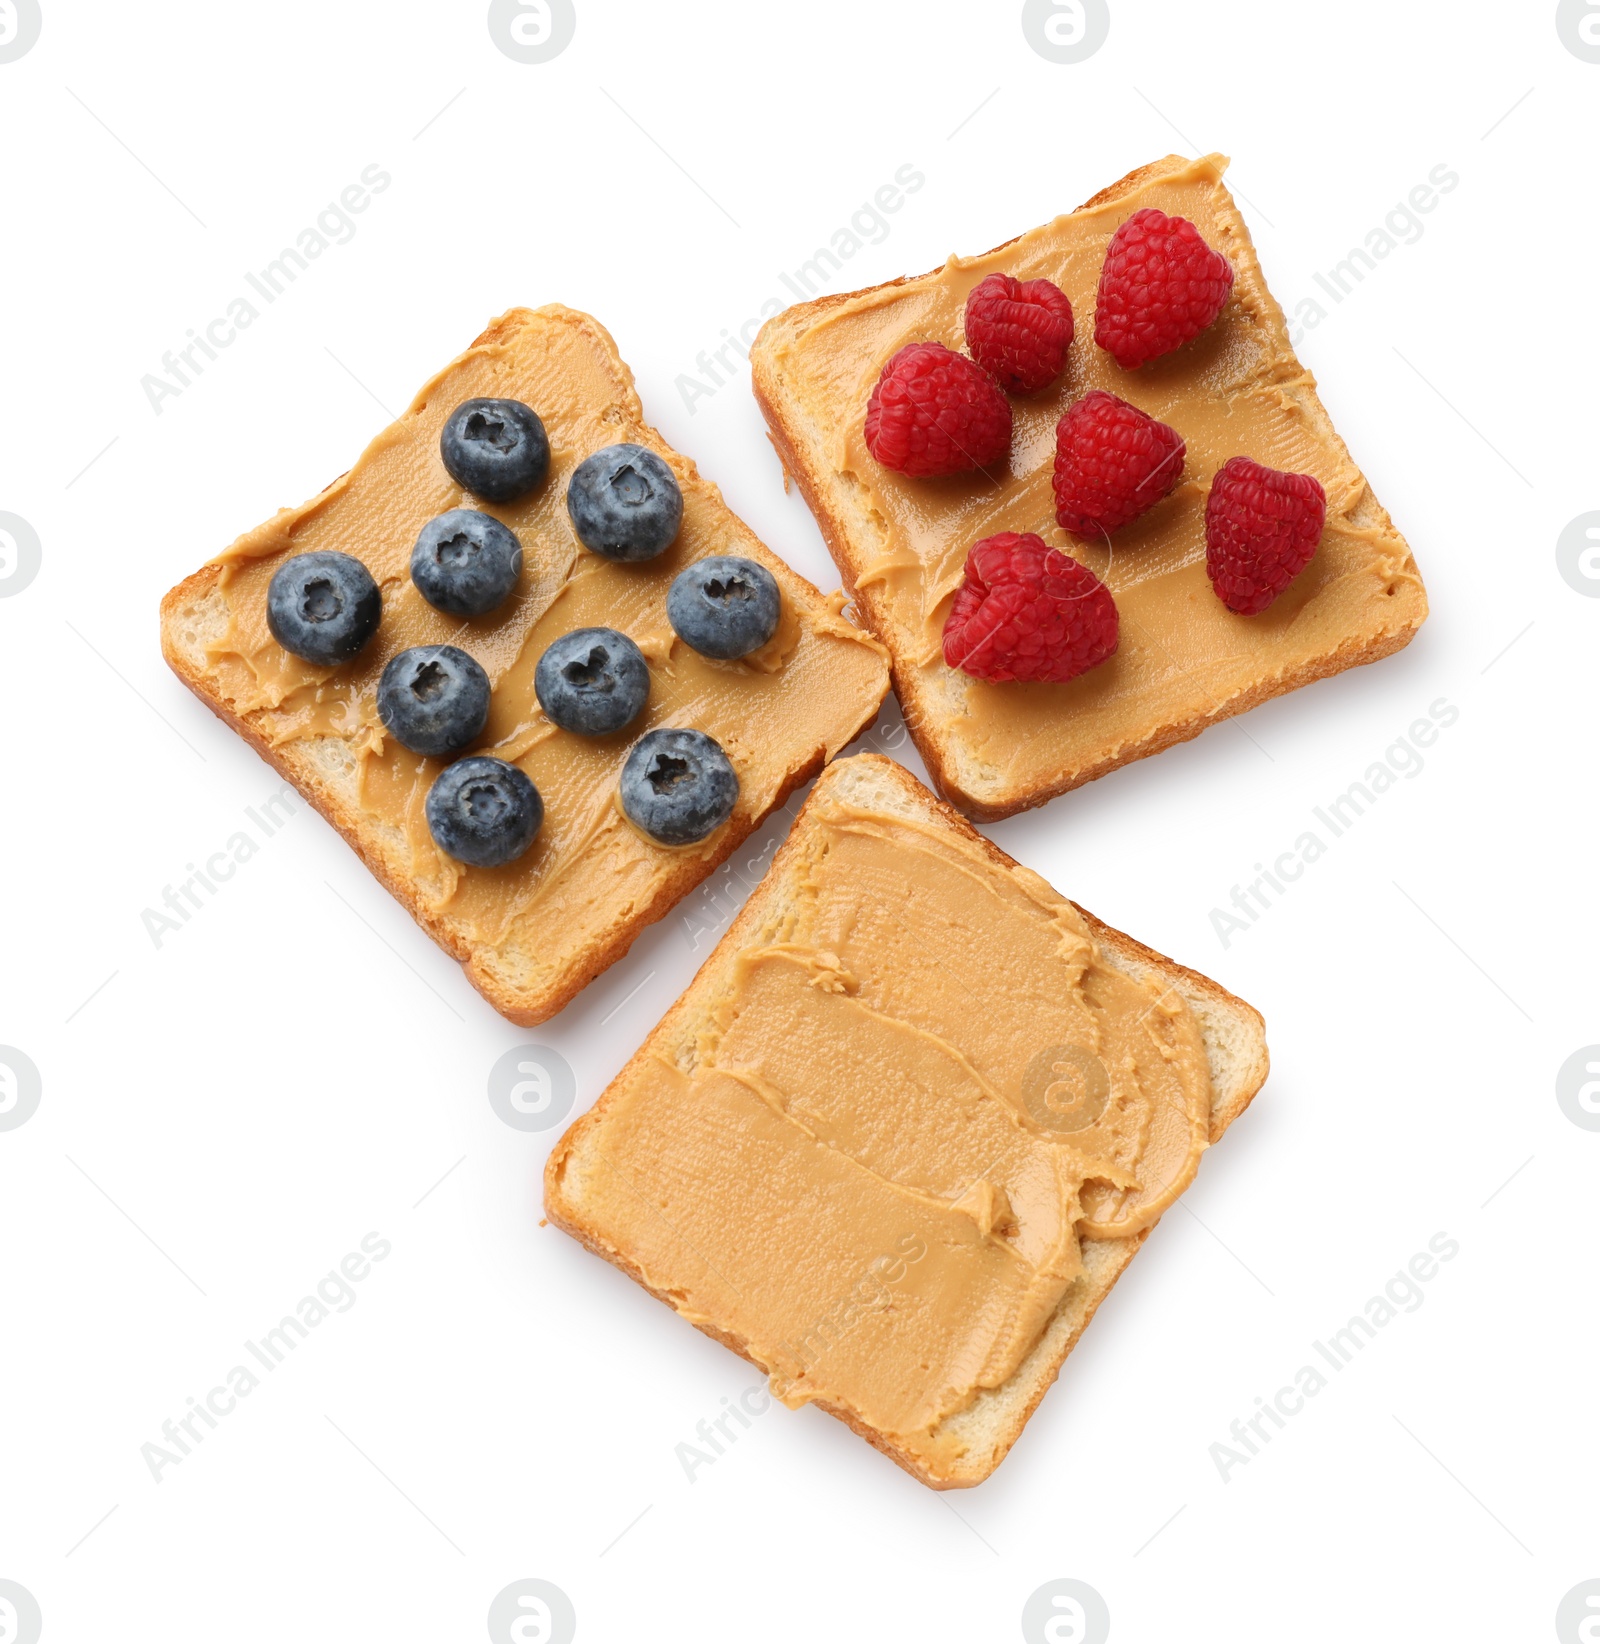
(731, 1189)
(1185, 661)
(533, 933)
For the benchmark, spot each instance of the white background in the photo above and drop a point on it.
(228, 1114)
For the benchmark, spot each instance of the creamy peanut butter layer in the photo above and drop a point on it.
(800, 698)
(1184, 658)
(926, 1085)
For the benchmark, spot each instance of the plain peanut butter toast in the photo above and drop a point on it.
(907, 1126)
(1116, 389)
(526, 660)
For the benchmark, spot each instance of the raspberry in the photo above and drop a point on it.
(1112, 463)
(1019, 331)
(934, 412)
(1027, 611)
(1161, 286)
(1262, 527)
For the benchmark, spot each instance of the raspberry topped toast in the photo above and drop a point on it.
(1163, 438)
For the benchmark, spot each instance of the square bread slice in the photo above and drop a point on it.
(842, 1152)
(1185, 661)
(533, 933)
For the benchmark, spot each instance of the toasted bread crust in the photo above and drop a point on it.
(1108, 1257)
(293, 764)
(922, 717)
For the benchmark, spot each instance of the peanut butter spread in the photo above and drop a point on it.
(1183, 657)
(922, 1089)
(808, 691)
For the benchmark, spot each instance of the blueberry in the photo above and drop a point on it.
(496, 448)
(625, 503)
(434, 699)
(678, 786)
(724, 607)
(466, 563)
(323, 607)
(483, 812)
(592, 681)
